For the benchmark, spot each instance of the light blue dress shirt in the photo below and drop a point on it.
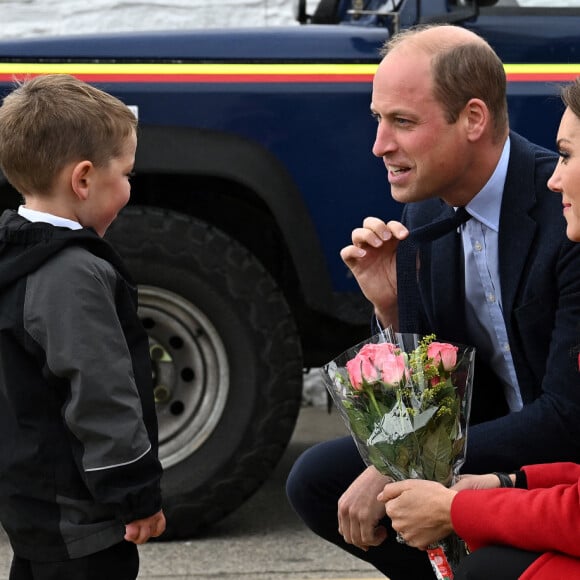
(484, 312)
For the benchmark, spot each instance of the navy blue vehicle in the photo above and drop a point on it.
(253, 166)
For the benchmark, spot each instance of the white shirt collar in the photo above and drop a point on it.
(33, 215)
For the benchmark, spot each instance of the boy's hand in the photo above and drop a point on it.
(140, 531)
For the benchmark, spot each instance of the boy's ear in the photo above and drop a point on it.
(80, 179)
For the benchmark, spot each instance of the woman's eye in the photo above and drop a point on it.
(564, 156)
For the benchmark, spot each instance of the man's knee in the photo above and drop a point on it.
(302, 479)
(318, 479)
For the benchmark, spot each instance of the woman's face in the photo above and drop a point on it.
(566, 177)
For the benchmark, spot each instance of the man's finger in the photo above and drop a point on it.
(391, 491)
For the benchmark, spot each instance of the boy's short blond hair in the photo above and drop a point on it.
(50, 121)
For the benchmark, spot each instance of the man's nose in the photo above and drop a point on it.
(384, 140)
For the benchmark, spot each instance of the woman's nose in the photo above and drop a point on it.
(554, 181)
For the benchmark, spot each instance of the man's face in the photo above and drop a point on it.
(425, 156)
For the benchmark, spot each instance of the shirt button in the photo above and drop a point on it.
(477, 246)
(491, 297)
(506, 347)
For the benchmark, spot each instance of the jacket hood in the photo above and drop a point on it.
(25, 246)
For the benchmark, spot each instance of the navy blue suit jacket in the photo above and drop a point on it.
(540, 287)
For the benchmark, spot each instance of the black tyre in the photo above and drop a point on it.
(227, 362)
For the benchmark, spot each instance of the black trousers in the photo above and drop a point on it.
(323, 473)
(119, 562)
(318, 479)
(497, 562)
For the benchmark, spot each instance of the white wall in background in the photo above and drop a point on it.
(550, 3)
(27, 18)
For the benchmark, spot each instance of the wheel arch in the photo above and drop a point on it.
(204, 155)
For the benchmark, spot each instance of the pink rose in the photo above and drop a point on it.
(374, 350)
(444, 354)
(391, 366)
(360, 368)
(376, 362)
(395, 371)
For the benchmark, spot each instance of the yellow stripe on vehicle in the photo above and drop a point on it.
(250, 72)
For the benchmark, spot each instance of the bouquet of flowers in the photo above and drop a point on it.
(406, 401)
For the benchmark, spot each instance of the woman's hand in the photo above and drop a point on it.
(405, 503)
(487, 481)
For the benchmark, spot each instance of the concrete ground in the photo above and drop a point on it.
(264, 539)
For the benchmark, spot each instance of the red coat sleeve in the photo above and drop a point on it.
(542, 519)
(553, 566)
(550, 474)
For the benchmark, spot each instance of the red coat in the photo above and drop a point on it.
(543, 518)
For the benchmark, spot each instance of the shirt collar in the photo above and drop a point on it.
(33, 215)
(485, 207)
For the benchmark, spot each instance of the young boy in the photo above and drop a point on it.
(79, 472)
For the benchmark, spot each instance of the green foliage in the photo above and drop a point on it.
(411, 430)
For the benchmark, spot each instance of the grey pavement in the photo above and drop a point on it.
(264, 539)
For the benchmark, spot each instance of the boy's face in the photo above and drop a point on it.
(110, 189)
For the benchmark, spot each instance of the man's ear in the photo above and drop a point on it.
(477, 118)
(80, 179)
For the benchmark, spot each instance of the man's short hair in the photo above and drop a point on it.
(462, 69)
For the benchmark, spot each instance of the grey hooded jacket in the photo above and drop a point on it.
(78, 430)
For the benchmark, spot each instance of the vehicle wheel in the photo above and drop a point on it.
(227, 362)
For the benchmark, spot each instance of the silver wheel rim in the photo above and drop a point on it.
(190, 372)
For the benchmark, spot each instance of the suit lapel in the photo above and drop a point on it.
(516, 228)
(441, 268)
